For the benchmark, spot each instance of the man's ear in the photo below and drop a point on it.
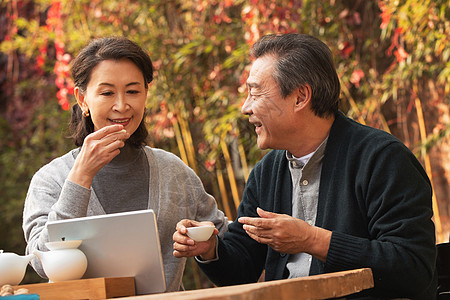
(303, 96)
(80, 99)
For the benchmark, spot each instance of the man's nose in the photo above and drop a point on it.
(246, 107)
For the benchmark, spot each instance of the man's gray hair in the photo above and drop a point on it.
(303, 59)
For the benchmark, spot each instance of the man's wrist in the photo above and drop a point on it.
(211, 254)
(321, 243)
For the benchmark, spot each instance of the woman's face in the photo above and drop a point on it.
(115, 94)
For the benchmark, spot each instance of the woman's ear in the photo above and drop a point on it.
(80, 99)
(303, 96)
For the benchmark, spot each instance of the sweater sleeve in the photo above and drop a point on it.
(206, 206)
(177, 193)
(394, 194)
(50, 197)
(241, 259)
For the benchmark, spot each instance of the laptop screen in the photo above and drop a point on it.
(118, 245)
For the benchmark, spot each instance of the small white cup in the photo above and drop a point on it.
(200, 233)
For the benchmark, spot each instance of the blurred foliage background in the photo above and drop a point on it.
(392, 58)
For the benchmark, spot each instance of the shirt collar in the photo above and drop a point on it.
(300, 162)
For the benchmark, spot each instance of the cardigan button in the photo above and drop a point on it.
(282, 254)
(305, 182)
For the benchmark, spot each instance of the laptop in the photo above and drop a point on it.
(118, 245)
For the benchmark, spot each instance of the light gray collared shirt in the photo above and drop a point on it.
(305, 176)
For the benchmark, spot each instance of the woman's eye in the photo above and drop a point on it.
(132, 92)
(106, 93)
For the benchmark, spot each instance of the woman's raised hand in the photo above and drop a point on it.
(98, 149)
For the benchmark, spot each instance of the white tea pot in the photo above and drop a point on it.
(13, 267)
(64, 261)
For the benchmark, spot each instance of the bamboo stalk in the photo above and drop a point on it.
(230, 171)
(243, 160)
(243, 157)
(223, 191)
(384, 123)
(187, 138)
(179, 139)
(352, 103)
(426, 157)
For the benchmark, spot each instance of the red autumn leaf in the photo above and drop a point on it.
(385, 15)
(347, 50)
(65, 105)
(356, 77)
(209, 164)
(217, 20)
(400, 54)
(59, 81)
(226, 18)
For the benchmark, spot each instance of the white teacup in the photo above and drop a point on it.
(200, 233)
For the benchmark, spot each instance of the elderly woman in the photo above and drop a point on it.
(112, 170)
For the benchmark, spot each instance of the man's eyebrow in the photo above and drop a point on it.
(252, 84)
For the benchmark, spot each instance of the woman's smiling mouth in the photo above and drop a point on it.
(123, 122)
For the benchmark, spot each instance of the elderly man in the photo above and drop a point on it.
(334, 195)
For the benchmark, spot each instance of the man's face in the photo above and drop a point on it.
(268, 111)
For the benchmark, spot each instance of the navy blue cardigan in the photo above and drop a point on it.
(375, 198)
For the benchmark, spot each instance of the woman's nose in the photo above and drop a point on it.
(121, 103)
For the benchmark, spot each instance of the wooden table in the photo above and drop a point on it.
(323, 286)
(95, 288)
